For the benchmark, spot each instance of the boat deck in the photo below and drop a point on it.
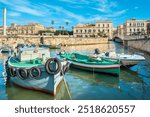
(88, 60)
(30, 63)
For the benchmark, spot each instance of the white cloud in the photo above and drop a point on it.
(14, 14)
(105, 6)
(77, 1)
(25, 6)
(116, 14)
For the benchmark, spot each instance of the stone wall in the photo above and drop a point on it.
(51, 40)
(141, 44)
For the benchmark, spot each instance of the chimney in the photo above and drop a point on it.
(4, 23)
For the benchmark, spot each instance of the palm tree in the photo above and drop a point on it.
(52, 22)
(62, 29)
(67, 23)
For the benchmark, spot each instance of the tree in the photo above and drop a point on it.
(52, 22)
(62, 29)
(67, 23)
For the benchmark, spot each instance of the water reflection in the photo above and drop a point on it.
(88, 85)
(17, 93)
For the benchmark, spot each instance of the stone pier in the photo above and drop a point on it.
(66, 41)
(141, 44)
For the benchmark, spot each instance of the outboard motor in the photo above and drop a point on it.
(97, 51)
(107, 54)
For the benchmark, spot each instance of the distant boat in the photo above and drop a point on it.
(6, 49)
(88, 63)
(125, 59)
(50, 46)
(55, 46)
(33, 68)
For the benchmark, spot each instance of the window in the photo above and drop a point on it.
(85, 31)
(98, 25)
(94, 30)
(81, 31)
(130, 30)
(142, 24)
(103, 25)
(76, 31)
(98, 30)
(108, 25)
(108, 30)
(130, 24)
(134, 30)
(89, 30)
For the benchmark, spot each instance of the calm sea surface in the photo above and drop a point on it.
(87, 85)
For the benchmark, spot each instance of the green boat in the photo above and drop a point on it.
(92, 64)
(33, 68)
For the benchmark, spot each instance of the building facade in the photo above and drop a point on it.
(120, 31)
(100, 28)
(148, 27)
(29, 29)
(135, 27)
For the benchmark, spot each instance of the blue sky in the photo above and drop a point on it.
(73, 11)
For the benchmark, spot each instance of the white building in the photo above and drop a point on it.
(102, 28)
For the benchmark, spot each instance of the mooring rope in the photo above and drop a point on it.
(67, 88)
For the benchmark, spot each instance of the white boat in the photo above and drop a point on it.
(33, 68)
(125, 59)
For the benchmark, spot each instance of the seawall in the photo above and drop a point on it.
(51, 40)
(141, 44)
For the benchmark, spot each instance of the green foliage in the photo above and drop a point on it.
(44, 31)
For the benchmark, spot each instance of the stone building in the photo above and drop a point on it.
(135, 27)
(100, 28)
(120, 31)
(148, 27)
(29, 29)
(1, 30)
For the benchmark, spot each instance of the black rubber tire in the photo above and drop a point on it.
(48, 69)
(32, 70)
(20, 75)
(12, 72)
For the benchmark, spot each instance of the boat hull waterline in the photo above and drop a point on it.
(84, 62)
(46, 82)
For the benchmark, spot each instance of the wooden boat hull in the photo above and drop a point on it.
(109, 69)
(45, 83)
(130, 62)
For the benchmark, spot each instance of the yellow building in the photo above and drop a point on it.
(1, 30)
(148, 27)
(29, 29)
(134, 27)
(100, 28)
(120, 31)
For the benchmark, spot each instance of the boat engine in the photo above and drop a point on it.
(97, 51)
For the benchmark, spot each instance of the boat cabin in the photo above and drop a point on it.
(33, 53)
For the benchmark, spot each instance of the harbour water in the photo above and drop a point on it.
(132, 84)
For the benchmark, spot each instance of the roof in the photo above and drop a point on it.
(103, 21)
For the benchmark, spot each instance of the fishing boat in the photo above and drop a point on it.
(33, 68)
(89, 63)
(55, 46)
(6, 49)
(50, 46)
(125, 59)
